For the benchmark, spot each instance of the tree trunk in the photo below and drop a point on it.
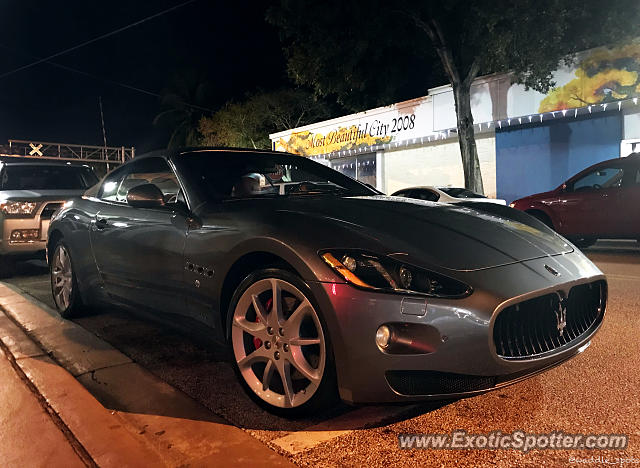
(466, 137)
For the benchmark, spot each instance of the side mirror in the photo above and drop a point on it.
(145, 196)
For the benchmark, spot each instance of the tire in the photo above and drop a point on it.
(64, 285)
(264, 348)
(7, 266)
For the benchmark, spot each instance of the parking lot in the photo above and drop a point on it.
(594, 393)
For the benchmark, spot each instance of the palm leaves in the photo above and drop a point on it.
(184, 103)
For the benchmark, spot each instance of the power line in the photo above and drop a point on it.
(101, 78)
(95, 39)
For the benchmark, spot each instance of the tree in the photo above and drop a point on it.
(249, 123)
(333, 45)
(184, 103)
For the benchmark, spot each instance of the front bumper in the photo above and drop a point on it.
(459, 357)
(8, 225)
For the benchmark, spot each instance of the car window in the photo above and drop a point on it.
(603, 177)
(425, 194)
(46, 177)
(154, 171)
(460, 192)
(111, 182)
(221, 176)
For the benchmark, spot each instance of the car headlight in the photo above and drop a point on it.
(379, 272)
(18, 207)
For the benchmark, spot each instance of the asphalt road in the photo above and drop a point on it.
(597, 392)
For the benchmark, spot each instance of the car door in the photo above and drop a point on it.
(139, 252)
(630, 200)
(590, 204)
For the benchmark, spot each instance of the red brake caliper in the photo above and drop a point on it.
(257, 342)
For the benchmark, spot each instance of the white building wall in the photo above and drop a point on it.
(631, 124)
(630, 132)
(438, 163)
(488, 102)
(419, 152)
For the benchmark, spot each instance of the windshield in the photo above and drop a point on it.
(233, 175)
(460, 192)
(37, 177)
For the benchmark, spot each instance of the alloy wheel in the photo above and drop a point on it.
(278, 343)
(62, 278)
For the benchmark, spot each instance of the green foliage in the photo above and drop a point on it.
(532, 38)
(184, 104)
(247, 124)
(361, 55)
(368, 53)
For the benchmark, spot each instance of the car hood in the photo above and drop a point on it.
(39, 195)
(426, 233)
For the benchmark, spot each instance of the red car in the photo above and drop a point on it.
(602, 201)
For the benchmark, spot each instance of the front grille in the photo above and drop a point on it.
(49, 209)
(416, 382)
(535, 326)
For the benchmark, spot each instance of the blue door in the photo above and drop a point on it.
(537, 158)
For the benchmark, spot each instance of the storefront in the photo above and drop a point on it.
(527, 141)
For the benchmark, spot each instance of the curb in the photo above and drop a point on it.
(119, 413)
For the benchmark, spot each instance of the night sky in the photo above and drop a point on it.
(228, 43)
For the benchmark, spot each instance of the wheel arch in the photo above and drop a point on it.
(76, 239)
(541, 215)
(54, 238)
(243, 267)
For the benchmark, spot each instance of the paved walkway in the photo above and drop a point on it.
(71, 399)
(29, 436)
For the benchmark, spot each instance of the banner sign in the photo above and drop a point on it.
(378, 126)
(597, 77)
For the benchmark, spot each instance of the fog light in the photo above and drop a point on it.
(24, 235)
(383, 336)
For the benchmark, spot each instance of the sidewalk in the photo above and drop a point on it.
(87, 404)
(21, 418)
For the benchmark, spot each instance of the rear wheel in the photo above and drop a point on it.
(64, 285)
(280, 346)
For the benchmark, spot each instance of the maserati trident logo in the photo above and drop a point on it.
(561, 314)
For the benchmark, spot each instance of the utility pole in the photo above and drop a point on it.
(104, 132)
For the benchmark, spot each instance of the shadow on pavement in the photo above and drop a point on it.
(205, 374)
(616, 249)
(201, 371)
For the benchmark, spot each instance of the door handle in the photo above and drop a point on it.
(101, 223)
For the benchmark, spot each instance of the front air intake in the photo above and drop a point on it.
(548, 322)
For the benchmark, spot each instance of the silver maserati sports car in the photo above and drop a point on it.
(322, 287)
